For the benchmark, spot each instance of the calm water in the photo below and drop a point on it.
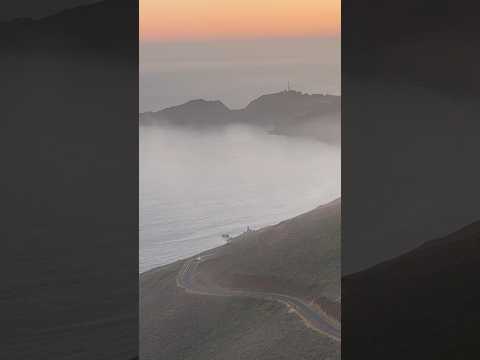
(197, 185)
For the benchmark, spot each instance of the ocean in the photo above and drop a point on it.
(196, 185)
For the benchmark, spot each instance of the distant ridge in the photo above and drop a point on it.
(291, 101)
(73, 32)
(286, 112)
(200, 110)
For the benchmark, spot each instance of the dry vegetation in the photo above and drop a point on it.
(300, 256)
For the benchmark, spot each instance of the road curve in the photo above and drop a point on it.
(312, 317)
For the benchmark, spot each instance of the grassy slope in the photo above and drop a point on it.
(299, 256)
(175, 325)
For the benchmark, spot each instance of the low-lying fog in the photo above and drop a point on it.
(196, 185)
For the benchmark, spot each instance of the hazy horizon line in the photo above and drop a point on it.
(240, 38)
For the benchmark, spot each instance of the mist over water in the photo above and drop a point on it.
(197, 184)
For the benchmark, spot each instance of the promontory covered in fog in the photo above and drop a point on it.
(287, 112)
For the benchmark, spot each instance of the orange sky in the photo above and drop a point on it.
(205, 19)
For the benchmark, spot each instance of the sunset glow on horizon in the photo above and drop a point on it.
(219, 19)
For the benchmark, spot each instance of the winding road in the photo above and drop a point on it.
(311, 315)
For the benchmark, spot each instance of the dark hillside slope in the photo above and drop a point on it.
(421, 305)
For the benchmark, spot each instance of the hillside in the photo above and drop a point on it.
(300, 256)
(286, 112)
(423, 304)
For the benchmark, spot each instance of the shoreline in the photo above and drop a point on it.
(182, 260)
(284, 278)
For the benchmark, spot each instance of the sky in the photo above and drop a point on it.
(182, 20)
(236, 50)
(236, 71)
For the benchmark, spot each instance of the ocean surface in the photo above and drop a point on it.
(196, 185)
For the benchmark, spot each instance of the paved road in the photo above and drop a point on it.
(314, 318)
